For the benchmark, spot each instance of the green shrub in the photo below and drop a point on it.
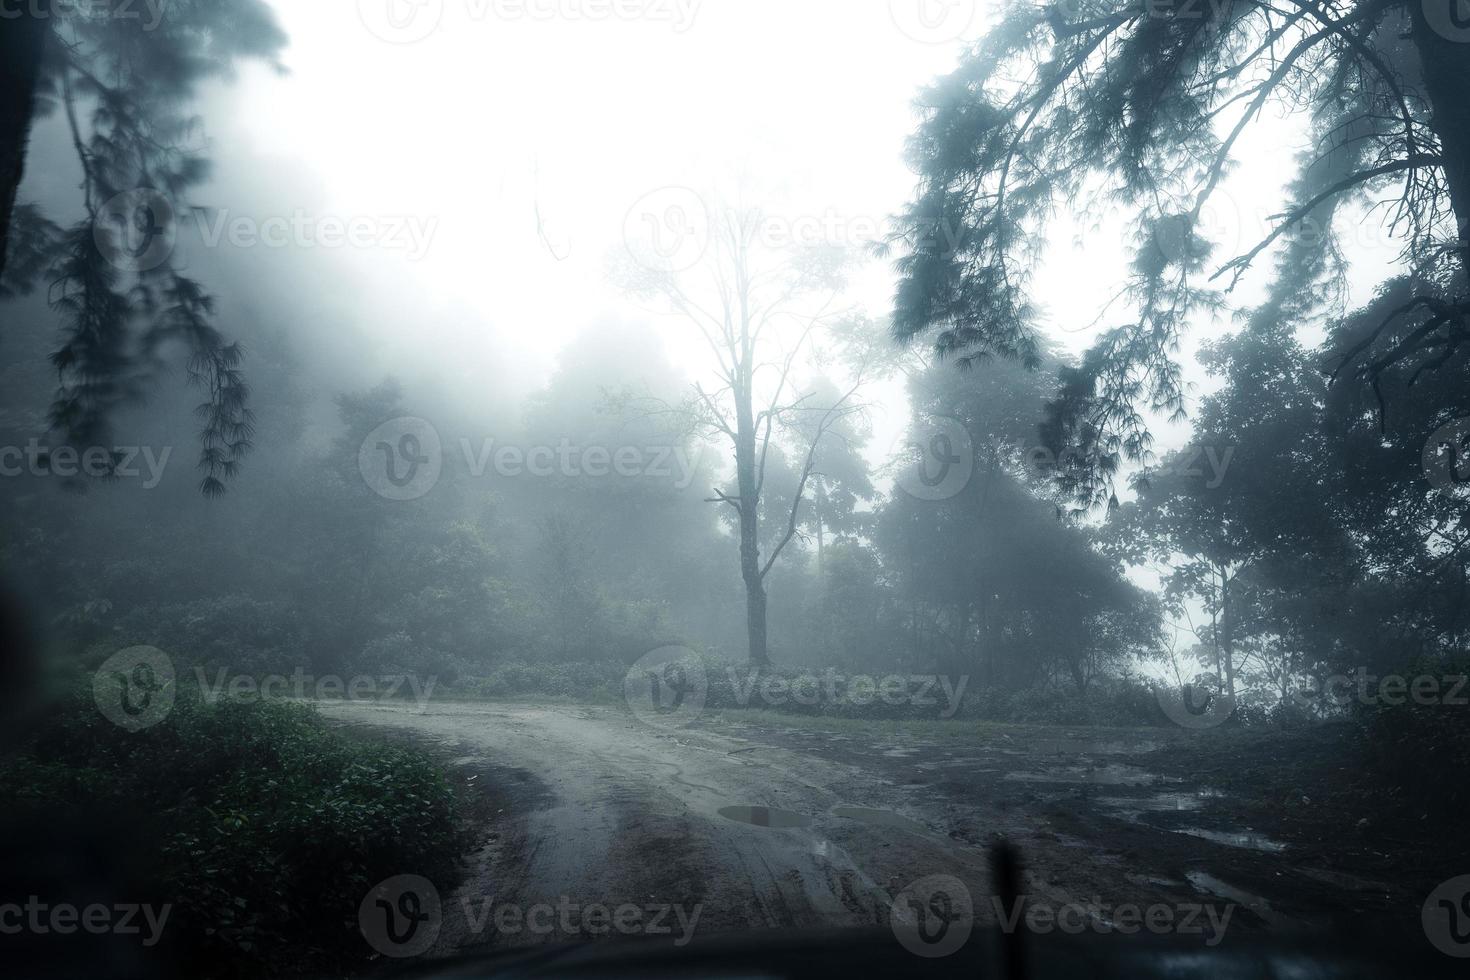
(266, 827)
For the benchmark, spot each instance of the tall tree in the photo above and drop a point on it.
(22, 43)
(1144, 104)
(747, 301)
(122, 76)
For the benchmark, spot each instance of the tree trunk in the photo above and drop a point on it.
(819, 500)
(21, 41)
(1226, 641)
(750, 549)
(755, 623)
(1441, 33)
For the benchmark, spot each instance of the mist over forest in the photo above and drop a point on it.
(761, 468)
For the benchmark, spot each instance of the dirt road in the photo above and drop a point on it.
(731, 826)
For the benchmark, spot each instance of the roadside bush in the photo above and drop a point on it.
(260, 825)
(1420, 754)
(600, 681)
(235, 633)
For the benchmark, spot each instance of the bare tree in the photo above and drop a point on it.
(754, 308)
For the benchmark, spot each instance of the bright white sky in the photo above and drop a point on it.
(475, 114)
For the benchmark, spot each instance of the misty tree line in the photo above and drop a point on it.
(1324, 548)
(307, 566)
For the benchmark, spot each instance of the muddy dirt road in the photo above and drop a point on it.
(726, 825)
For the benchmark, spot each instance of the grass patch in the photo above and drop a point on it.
(259, 825)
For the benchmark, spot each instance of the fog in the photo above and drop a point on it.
(758, 465)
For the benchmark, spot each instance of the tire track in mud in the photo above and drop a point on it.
(625, 819)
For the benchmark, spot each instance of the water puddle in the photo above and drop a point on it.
(1347, 882)
(1262, 908)
(1136, 809)
(1109, 775)
(764, 816)
(880, 818)
(1249, 840)
(1080, 746)
(1172, 801)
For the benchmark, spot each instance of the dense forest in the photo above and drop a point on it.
(1239, 508)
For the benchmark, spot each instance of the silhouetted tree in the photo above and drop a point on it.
(737, 297)
(122, 77)
(1143, 104)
